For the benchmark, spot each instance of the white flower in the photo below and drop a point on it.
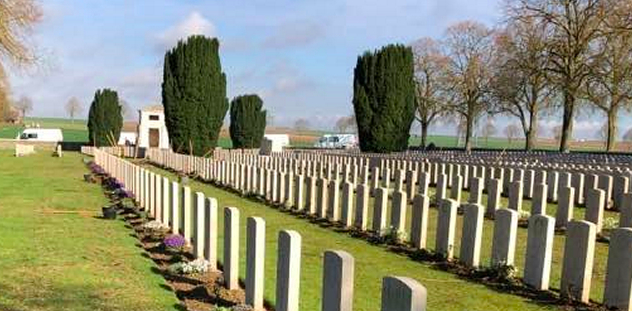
(155, 225)
(193, 267)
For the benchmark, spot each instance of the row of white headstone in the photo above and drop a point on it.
(409, 172)
(548, 160)
(322, 199)
(196, 218)
(289, 186)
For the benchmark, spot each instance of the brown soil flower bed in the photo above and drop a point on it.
(196, 291)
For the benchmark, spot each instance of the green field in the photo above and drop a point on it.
(73, 131)
(56, 254)
(77, 132)
(445, 290)
(445, 141)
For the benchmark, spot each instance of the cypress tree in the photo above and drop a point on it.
(104, 119)
(194, 95)
(247, 121)
(384, 98)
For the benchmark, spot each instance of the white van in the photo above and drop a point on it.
(37, 134)
(279, 139)
(337, 141)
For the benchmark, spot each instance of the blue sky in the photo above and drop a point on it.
(298, 55)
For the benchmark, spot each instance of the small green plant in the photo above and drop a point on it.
(610, 223)
(241, 307)
(142, 214)
(503, 272)
(392, 235)
(127, 203)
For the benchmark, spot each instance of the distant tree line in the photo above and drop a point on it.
(549, 55)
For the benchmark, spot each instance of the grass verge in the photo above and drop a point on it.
(57, 254)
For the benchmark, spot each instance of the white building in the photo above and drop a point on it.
(152, 131)
(127, 138)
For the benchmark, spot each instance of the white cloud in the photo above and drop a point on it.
(194, 24)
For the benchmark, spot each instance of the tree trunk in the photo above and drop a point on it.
(612, 130)
(424, 134)
(468, 133)
(532, 132)
(567, 122)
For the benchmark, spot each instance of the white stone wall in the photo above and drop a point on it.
(145, 124)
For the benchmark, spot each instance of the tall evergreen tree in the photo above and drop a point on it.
(194, 95)
(384, 98)
(104, 119)
(247, 121)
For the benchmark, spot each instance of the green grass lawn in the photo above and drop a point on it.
(445, 290)
(56, 254)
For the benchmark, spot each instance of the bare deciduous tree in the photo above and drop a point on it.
(602, 134)
(628, 135)
(345, 124)
(557, 133)
(572, 28)
(470, 52)
(17, 18)
(24, 105)
(430, 69)
(301, 124)
(126, 110)
(488, 130)
(609, 86)
(512, 132)
(519, 84)
(73, 108)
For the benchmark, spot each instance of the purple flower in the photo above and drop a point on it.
(174, 241)
(128, 194)
(97, 169)
(117, 185)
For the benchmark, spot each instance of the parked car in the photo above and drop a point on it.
(38, 134)
(337, 141)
